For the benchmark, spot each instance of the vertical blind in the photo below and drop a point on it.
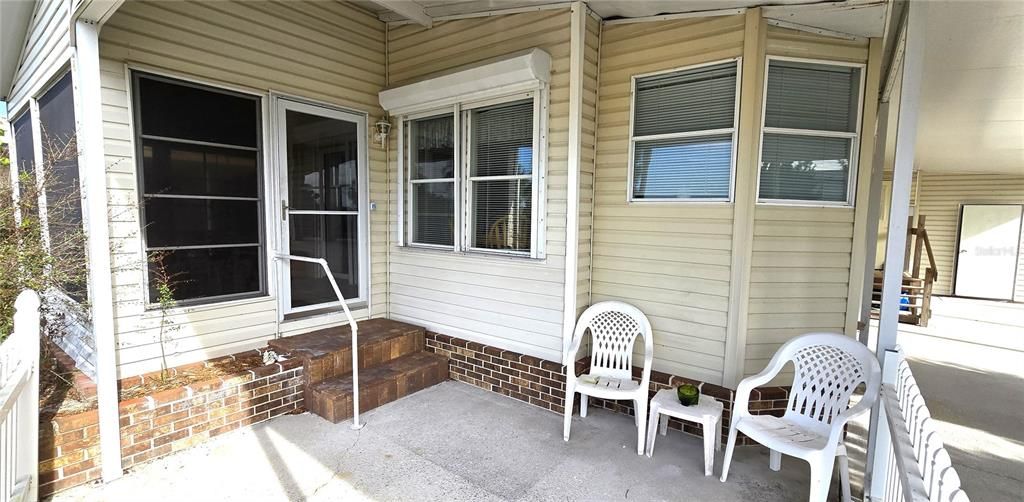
(693, 114)
(432, 171)
(501, 176)
(811, 115)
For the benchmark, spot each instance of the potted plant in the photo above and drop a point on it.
(688, 394)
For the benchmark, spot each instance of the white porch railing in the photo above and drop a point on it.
(19, 403)
(911, 463)
(351, 324)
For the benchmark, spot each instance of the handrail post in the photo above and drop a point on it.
(353, 326)
(878, 465)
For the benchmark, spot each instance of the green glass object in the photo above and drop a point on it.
(688, 394)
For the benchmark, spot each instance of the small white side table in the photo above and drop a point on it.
(707, 412)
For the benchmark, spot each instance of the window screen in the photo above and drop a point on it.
(432, 176)
(683, 125)
(24, 145)
(63, 191)
(200, 177)
(810, 131)
(501, 176)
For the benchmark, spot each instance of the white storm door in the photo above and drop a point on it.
(323, 189)
(986, 264)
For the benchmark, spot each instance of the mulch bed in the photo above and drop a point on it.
(59, 396)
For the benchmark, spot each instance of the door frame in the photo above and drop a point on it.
(956, 251)
(279, 104)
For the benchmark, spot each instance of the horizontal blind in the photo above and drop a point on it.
(501, 167)
(811, 168)
(432, 157)
(689, 100)
(696, 168)
(502, 142)
(812, 96)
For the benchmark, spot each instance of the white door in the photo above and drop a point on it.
(322, 187)
(986, 265)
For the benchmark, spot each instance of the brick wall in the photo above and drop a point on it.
(542, 383)
(166, 421)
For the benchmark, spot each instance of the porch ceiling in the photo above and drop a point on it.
(857, 17)
(972, 94)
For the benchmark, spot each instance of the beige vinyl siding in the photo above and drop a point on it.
(46, 50)
(588, 152)
(800, 268)
(939, 198)
(671, 260)
(513, 303)
(326, 51)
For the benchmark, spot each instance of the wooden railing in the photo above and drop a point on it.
(911, 463)
(918, 281)
(19, 403)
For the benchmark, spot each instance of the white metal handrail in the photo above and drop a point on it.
(351, 323)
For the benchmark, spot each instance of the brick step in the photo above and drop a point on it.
(327, 353)
(332, 398)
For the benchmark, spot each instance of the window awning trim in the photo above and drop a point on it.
(522, 71)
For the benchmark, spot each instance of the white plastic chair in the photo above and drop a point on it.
(613, 328)
(827, 369)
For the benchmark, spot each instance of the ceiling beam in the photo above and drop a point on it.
(409, 10)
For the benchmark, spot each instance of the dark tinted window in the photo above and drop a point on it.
(63, 191)
(186, 111)
(184, 169)
(199, 161)
(24, 143)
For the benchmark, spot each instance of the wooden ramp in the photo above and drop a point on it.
(917, 280)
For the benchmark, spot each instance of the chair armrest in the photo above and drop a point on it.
(839, 423)
(748, 384)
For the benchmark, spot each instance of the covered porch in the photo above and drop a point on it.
(450, 442)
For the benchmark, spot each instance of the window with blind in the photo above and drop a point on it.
(432, 180)
(199, 169)
(471, 187)
(683, 135)
(809, 140)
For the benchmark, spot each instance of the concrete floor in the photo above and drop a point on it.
(451, 442)
(969, 363)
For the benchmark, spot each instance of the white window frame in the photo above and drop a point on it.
(689, 134)
(853, 137)
(462, 201)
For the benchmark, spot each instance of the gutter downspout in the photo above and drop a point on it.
(86, 70)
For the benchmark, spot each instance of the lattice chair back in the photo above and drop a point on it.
(614, 328)
(828, 368)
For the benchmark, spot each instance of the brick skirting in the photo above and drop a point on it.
(542, 383)
(166, 421)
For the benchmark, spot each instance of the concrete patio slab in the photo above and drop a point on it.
(450, 442)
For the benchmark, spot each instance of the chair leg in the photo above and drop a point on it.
(569, 394)
(583, 405)
(640, 407)
(821, 478)
(775, 461)
(652, 426)
(729, 446)
(844, 473)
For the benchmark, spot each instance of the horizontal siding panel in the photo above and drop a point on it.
(512, 303)
(331, 52)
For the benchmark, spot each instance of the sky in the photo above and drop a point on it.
(3, 108)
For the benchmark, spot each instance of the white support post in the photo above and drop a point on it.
(94, 192)
(578, 28)
(874, 212)
(903, 170)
